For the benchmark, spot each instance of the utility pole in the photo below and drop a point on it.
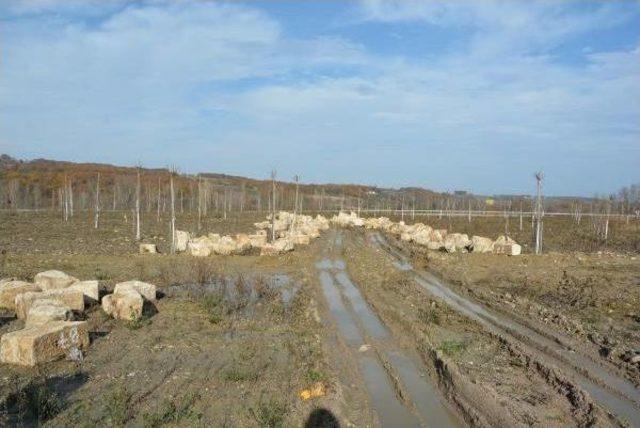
(539, 212)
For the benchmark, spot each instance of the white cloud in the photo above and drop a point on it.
(209, 86)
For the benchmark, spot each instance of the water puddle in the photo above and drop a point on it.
(402, 265)
(346, 323)
(370, 321)
(328, 264)
(390, 411)
(233, 288)
(423, 393)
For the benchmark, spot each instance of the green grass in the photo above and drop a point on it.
(174, 412)
(315, 375)
(117, 404)
(238, 374)
(452, 347)
(270, 413)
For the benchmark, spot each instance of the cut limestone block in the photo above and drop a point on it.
(125, 305)
(299, 239)
(44, 343)
(481, 244)
(148, 291)
(46, 310)
(90, 289)
(258, 240)
(508, 249)
(200, 247)
(182, 239)
(225, 246)
(53, 280)
(10, 289)
(506, 245)
(277, 247)
(243, 243)
(148, 249)
(73, 299)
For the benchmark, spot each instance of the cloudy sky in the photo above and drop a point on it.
(470, 95)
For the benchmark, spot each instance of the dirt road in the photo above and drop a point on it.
(400, 391)
(551, 350)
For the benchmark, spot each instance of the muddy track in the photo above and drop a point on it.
(567, 369)
(400, 391)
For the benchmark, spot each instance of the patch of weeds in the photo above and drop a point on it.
(214, 305)
(270, 414)
(173, 412)
(452, 347)
(238, 374)
(203, 270)
(116, 405)
(138, 322)
(429, 316)
(101, 275)
(36, 402)
(315, 375)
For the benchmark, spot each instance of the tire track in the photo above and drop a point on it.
(620, 397)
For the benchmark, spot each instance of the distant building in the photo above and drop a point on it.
(460, 192)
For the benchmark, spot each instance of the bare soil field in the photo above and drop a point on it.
(234, 340)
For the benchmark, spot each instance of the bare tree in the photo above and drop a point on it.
(138, 205)
(173, 213)
(273, 205)
(97, 213)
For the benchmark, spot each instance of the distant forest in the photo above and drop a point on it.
(41, 184)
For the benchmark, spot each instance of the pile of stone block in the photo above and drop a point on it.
(48, 307)
(290, 230)
(433, 239)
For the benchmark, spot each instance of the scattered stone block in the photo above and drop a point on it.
(182, 239)
(46, 310)
(481, 244)
(73, 299)
(124, 305)
(148, 249)
(10, 289)
(506, 245)
(90, 290)
(258, 240)
(243, 243)
(53, 280)
(200, 247)
(225, 246)
(44, 343)
(148, 291)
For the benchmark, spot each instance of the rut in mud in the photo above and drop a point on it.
(401, 393)
(613, 393)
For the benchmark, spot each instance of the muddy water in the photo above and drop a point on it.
(370, 321)
(356, 321)
(390, 411)
(346, 324)
(620, 396)
(425, 396)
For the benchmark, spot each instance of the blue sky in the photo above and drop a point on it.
(472, 95)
